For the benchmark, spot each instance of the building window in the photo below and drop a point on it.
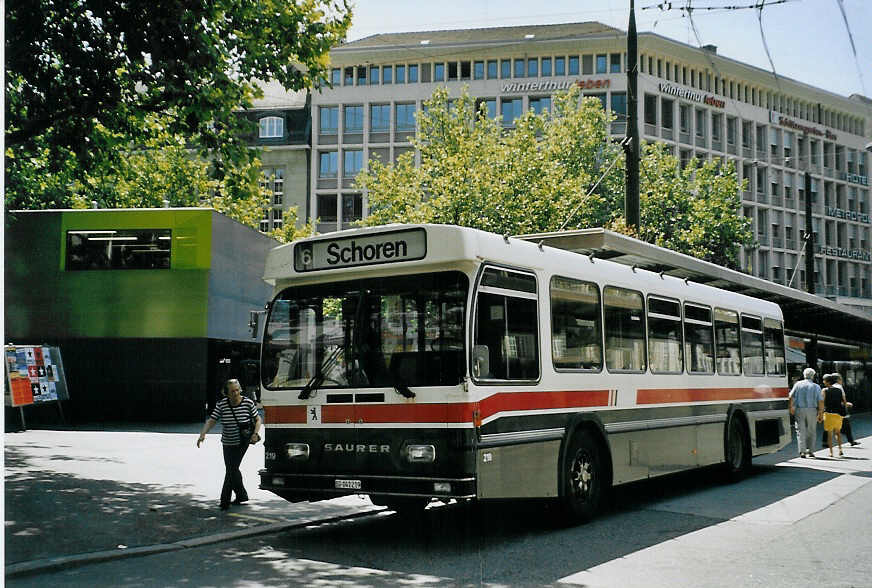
(405, 117)
(413, 73)
(352, 207)
(540, 105)
(353, 118)
(700, 123)
(277, 219)
(387, 74)
(465, 71)
(492, 69)
(272, 127)
(401, 74)
(559, 66)
(505, 69)
(519, 68)
(439, 72)
(327, 164)
(264, 222)
(328, 117)
(379, 117)
(731, 131)
(373, 74)
(601, 64)
(327, 208)
(478, 70)
(349, 76)
(619, 105)
(510, 108)
(533, 68)
(717, 120)
(352, 163)
(361, 75)
(491, 106)
(452, 71)
(274, 182)
(335, 76)
(615, 63)
(666, 113)
(118, 249)
(573, 65)
(546, 66)
(651, 110)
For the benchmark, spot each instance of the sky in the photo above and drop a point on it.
(808, 40)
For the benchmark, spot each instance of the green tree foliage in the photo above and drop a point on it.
(475, 173)
(552, 170)
(92, 84)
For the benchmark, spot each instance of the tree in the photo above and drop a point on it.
(551, 170)
(89, 81)
(473, 172)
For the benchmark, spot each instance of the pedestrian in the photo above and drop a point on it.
(240, 425)
(846, 415)
(806, 405)
(834, 404)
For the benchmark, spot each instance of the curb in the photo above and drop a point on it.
(67, 561)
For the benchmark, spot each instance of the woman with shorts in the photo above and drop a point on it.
(834, 407)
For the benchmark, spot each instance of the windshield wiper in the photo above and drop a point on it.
(315, 381)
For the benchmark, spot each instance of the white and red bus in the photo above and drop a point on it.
(413, 362)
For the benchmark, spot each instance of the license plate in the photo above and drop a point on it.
(348, 484)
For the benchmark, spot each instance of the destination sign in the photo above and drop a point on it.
(360, 250)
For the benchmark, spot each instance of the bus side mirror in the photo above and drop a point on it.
(480, 361)
(253, 320)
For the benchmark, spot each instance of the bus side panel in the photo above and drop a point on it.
(528, 470)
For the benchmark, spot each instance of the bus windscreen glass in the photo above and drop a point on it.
(399, 331)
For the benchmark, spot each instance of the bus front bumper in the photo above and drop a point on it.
(297, 487)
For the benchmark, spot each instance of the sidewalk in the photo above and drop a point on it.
(81, 496)
(78, 496)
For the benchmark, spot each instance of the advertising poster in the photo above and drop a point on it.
(34, 374)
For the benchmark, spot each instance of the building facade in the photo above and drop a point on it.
(282, 130)
(699, 103)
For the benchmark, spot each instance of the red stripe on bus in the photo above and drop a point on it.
(669, 395)
(284, 414)
(506, 402)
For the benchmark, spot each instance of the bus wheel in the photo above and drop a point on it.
(584, 478)
(738, 449)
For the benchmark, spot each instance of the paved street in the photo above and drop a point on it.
(144, 505)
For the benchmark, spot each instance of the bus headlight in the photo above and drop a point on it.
(297, 451)
(421, 453)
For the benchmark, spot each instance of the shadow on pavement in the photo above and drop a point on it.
(49, 514)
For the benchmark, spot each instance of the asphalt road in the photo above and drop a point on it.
(792, 523)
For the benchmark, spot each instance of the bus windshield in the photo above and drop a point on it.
(396, 332)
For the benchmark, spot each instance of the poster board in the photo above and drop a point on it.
(34, 375)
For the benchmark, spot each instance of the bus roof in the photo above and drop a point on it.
(408, 248)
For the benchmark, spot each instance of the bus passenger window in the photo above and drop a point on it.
(664, 336)
(729, 360)
(699, 342)
(576, 325)
(773, 335)
(506, 327)
(752, 345)
(624, 329)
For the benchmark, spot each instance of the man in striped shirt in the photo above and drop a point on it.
(235, 413)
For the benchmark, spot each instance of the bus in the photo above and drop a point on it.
(410, 363)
